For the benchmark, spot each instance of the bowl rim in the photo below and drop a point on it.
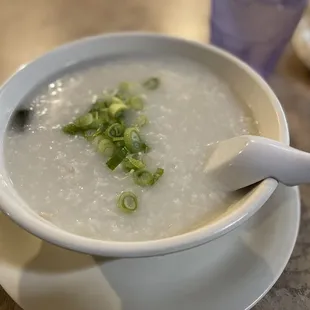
(225, 224)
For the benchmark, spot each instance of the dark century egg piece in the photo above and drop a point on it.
(20, 119)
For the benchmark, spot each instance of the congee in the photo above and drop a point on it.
(116, 150)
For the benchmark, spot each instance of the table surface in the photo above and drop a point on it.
(30, 28)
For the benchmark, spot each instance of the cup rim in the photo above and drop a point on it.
(213, 230)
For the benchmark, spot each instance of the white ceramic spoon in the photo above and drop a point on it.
(242, 161)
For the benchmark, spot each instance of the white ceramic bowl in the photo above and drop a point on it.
(249, 86)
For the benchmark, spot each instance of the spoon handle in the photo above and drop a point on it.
(283, 163)
(289, 165)
(245, 160)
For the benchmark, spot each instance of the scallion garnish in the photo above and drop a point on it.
(71, 129)
(100, 131)
(136, 103)
(124, 87)
(158, 173)
(117, 107)
(118, 139)
(98, 105)
(140, 121)
(119, 144)
(97, 139)
(143, 177)
(115, 130)
(151, 83)
(106, 147)
(131, 163)
(124, 91)
(132, 140)
(104, 117)
(118, 156)
(145, 148)
(84, 121)
(104, 125)
(96, 123)
(127, 201)
(89, 134)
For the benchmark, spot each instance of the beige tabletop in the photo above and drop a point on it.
(29, 28)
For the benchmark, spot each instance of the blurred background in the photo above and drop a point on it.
(31, 28)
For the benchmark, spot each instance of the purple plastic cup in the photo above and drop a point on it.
(256, 31)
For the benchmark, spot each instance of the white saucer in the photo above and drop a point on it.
(231, 273)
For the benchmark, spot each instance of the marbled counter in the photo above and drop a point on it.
(30, 28)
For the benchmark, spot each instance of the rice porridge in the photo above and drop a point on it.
(65, 180)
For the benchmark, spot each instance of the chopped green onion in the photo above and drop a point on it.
(118, 156)
(127, 166)
(145, 148)
(136, 103)
(107, 99)
(124, 87)
(106, 147)
(151, 83)
(98, 105)
(105, 127)
(104, 116)
(133, 141)
(84, 121)
(117, 108)
(136, 163)
(119, 144)
(96, 123)
(95, 114)
(118, 139)
(121, 121)
(89, 134)
(71, 129)
(97, 139)
(127, 201)
(100, 131)
(141, 121)
(115, 130)
(124, 91)
(143, 177)
(158, 173)
(131, 163)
